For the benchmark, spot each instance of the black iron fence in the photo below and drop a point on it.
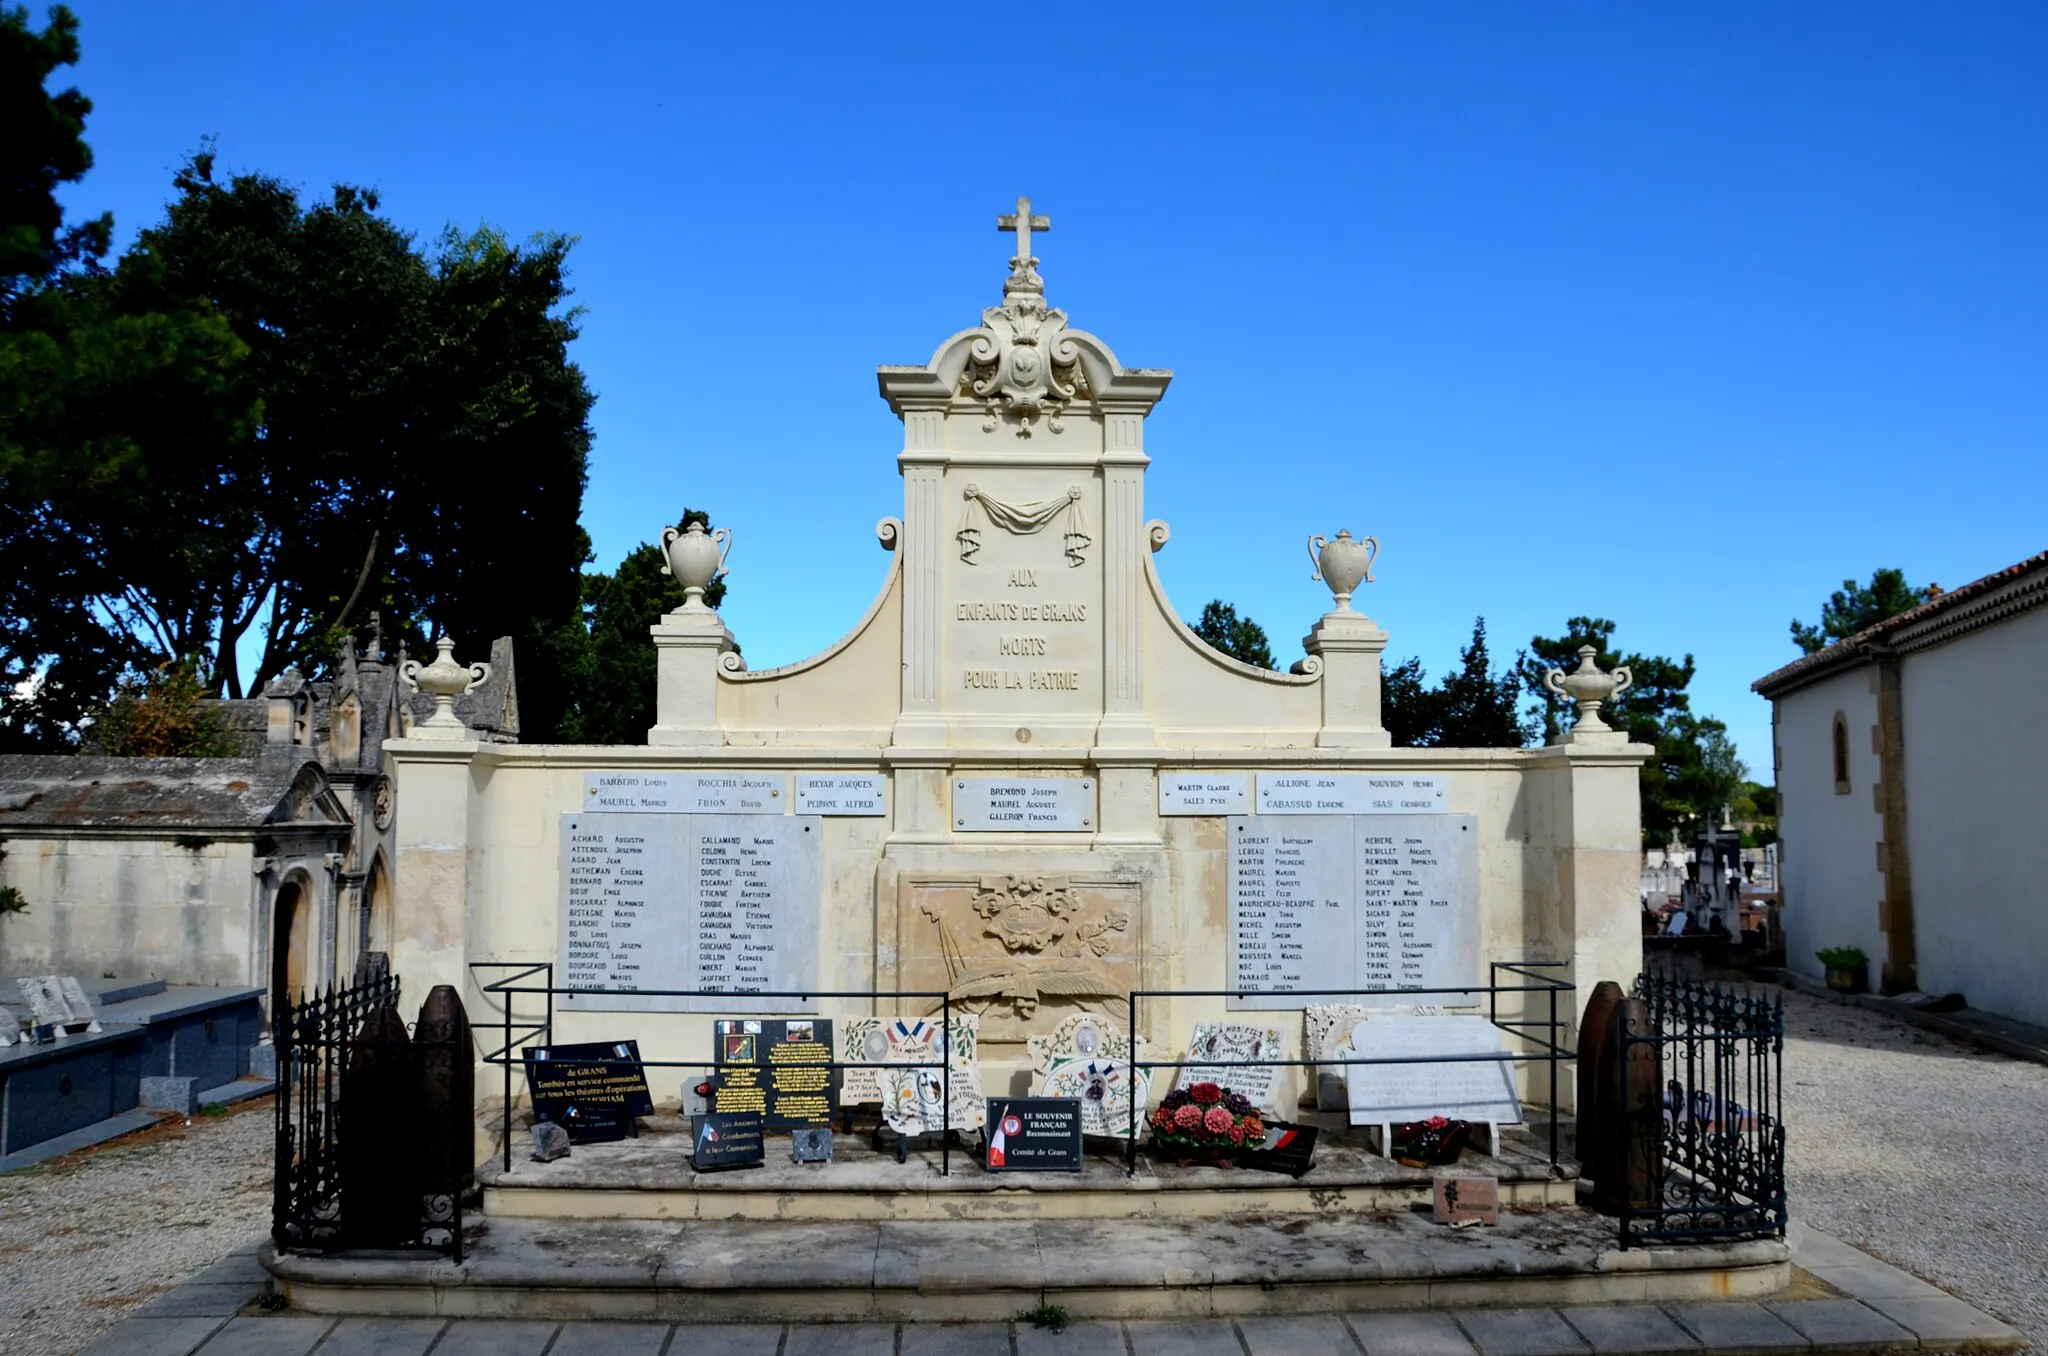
(349, 1171)
(1703, 1110)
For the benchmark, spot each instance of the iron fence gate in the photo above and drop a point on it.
(346, 1174)
(1704, 1113)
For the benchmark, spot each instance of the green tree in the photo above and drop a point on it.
(613, 685)
(1695, 770)
(1477, 708)
(1408, 705)
(1473, 708)
(161, 714)
(1857, 607)
(1239, 637)
(44, 147)
(338, 421)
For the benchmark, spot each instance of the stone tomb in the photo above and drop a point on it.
(1019, 778)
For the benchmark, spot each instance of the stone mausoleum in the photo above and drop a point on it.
(1015, 780)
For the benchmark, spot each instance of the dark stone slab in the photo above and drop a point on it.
(1420, 1333)
(206, 1300)
(278, 1336)
(154, 1337)
(382, 1337)
(723, 1339)
(1307, 1335)
(611, 1339)
(1076, 1339)
(954, 1339)
(1628, 1328)
(841, 1339)
(492, 1337)
(1841, 1322)
(1521, 1332)
(1213, 1338)
(1737, 1327)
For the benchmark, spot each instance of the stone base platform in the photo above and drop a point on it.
(651, 1178)
(925, 1271)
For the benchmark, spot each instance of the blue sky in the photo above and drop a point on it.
(1676, 314)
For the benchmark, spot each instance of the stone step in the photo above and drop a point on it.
(992, 1270)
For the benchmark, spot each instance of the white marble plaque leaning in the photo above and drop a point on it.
(1353, 793)
(687, 793)
(1351, 904)
(1467, 1090)
(1023, 804)
(842, 793)
(712, 902)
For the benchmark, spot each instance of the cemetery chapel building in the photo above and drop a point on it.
(1019, 780)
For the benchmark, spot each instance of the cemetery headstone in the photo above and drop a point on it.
(46, 1002)
(778, 1067)
(1231, 1045)
(380, 1187)
(593, 1090)
(445, 1060)
(77, 1000)
(1034, 1134)
(1352, 902)
(725, 904)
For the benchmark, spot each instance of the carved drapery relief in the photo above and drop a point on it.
(1004, 946)
(1024, 520)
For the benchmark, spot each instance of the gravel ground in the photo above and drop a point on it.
(1931, 1154)
(86, 1239)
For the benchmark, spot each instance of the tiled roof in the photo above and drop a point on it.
(81, 791)
(1938, 619)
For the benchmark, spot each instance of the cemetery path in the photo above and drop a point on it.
(87, 1238)
(1923, 1151)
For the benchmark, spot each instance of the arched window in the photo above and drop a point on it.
(1841, 754)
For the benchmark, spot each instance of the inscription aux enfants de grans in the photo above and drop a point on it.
(1024, 646)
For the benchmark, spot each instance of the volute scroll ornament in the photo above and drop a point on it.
(1343, 563)
(695, 559)
(1588, 687)
(444, 680)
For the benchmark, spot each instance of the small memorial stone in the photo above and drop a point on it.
(1467, 1200)
(550, 1142)
(811, 1145)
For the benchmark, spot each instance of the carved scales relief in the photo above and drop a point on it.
(1013, 942)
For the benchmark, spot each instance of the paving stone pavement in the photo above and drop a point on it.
(1878, 1309)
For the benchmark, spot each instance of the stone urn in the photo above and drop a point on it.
(1343, 563)
(444, 680)
(1589, 687)
(695, 558)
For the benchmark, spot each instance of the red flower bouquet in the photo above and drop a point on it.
(1205, 1122)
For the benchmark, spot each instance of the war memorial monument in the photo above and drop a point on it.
(1019, 832)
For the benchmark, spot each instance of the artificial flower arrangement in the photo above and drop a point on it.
(1205, 1120)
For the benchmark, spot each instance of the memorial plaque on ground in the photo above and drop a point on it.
(1353, 902)
(1204, 793)
(1480, 1090)
(722, 903)
(1023, 804)
(1034, 1134)
(1467, 1200)
(842, 793)
(592, 1090)
(687, 793)
(780, 1068)
(731, 1139)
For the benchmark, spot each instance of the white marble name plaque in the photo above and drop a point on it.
(1196, 793)
(842, 793)
(1350, 904)
(1466, 1090)
(1353, 793)
(1023, 804)
(687, 793)
(713, 902)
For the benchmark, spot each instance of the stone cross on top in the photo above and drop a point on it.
(1023, 269)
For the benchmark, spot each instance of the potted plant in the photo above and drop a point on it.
(1846, 966)
(1204, 1123)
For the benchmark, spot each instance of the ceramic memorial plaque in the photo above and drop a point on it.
(1230, 1045)
(1088, 1058)
(911, 1041)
